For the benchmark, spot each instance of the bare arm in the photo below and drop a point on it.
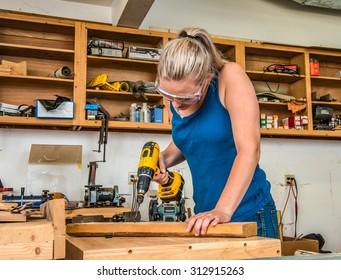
(238, 96)
(169, 157)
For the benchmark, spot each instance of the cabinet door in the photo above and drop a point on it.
(110, 65)
(281, 71)
(40, 46)
(325, 77)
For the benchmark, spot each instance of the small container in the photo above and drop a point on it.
(133, 108)
(146, 115)
(138, 115)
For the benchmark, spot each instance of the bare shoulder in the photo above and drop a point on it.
(231, 69)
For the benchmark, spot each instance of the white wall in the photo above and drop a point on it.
(315, 163)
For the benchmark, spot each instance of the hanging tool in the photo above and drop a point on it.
(95, 195)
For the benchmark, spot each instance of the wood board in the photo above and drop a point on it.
(171, 248)
(107, 212)
(237, 229)
(53, 210)
(32, 240)
(6, 216)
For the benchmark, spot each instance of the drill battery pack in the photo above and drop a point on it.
(282, 68)
(287, 68)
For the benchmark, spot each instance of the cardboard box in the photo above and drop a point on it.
(63, 111)
(290, 245)
(106, 52)
(144, 53)
(157, 115)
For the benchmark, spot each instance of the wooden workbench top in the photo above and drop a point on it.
(170, 248)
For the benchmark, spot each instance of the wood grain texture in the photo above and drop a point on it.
(32, 240)
(6, 216)
(54, 212)
(170, 248)
(159, 229)
(107, 212)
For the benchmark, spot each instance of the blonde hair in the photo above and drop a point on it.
(191, 54)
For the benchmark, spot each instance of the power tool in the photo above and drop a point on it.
(172, 207)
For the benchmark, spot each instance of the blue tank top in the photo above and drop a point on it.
(206, 141)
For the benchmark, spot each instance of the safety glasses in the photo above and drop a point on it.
(187, 99)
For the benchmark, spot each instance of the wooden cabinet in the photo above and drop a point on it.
(326, 87)
(118, 69)
(259, 61)
(48, 43)
(45, 45)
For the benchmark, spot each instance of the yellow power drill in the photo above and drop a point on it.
(147, 169)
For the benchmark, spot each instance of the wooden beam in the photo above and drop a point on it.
(171, 248)
(158, 229)
(54, 211)
(134, 13)
(32, 240)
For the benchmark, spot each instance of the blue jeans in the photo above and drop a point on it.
(266, 218)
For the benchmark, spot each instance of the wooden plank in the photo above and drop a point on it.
(31, 240)
(54, 211)
(107, 212)
(33, 230)
(168, 248)
(6, 216)
(7, 206)
(159, 229)
(27, 251)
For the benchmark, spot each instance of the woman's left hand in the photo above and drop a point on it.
(199, 223)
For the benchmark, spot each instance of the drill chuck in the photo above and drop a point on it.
(142, 186)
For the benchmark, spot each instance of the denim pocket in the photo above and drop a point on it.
(267, 223)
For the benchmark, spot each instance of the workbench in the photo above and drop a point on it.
(170, 248)
(35, 239)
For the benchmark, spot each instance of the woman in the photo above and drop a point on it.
(215, 127)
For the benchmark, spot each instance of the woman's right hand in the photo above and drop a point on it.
(162, 177)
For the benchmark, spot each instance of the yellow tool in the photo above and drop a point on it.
(170, 192)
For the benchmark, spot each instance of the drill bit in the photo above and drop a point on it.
(136, 212)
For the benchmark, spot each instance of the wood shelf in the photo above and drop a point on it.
(36, 79)
(121, 95)
(36, 52)
(48, 43)
(127, 125)
(273, 77)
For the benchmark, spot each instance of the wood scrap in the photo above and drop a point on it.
(7, 206)
(237, 229)
(5, 70)
(19, 68)
(6, 216)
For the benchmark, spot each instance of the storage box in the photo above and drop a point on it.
(106, 52)
(157, 115)
(144, 53)
(63, 111)
(290, 245)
